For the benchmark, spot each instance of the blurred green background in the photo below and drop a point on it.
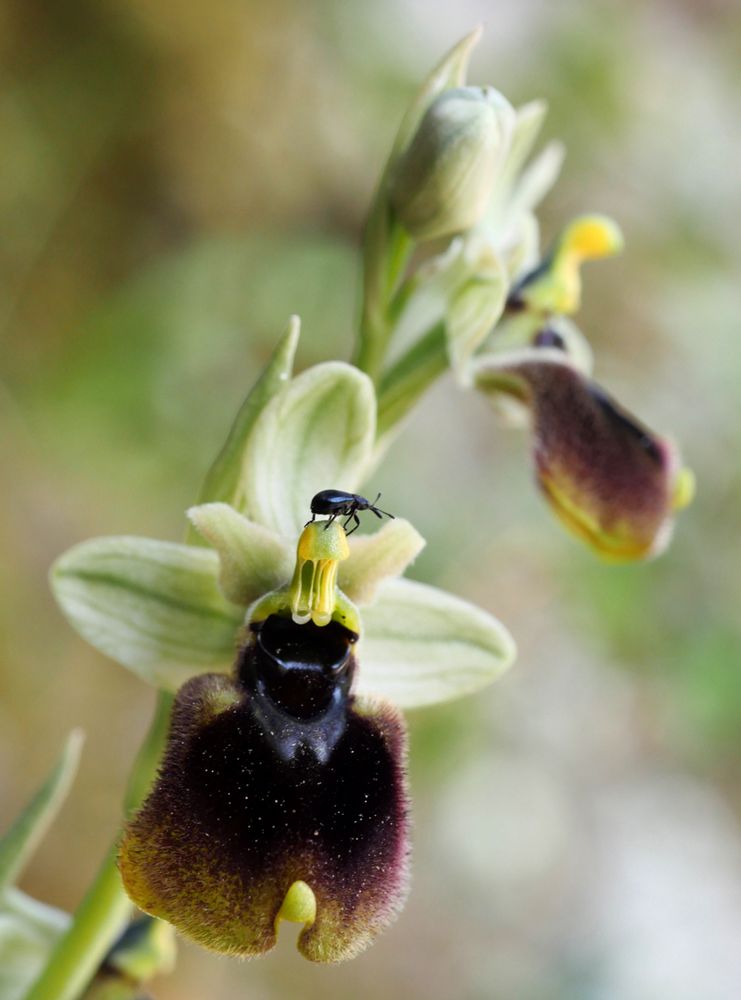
(177, 178)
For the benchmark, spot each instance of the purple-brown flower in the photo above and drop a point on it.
(612, 481)
(281, 795)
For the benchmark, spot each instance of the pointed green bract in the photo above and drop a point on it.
(375, 558)
(21, 840)
(421, 645)
(222, 479)
(315, 434)
(535, 181)
(155, 607)
(253, 558)
(528, 123)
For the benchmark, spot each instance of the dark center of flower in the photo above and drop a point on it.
(301, 668)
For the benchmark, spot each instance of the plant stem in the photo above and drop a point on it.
(410, 378)
(386, 252)
(105, 910)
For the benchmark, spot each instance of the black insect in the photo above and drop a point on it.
(337, 503)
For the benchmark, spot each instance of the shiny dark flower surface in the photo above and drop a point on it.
(276, 777)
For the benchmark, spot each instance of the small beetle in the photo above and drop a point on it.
(337, 503)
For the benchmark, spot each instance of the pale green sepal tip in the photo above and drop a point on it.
(318, 430)
(29, 931)
(222, 479)
(422, 645)
(536, 180)
(153, 606)
(21, 840)
(529, 120)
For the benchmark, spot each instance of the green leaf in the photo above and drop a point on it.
(28, 932)
(253, 559)
(421, 645)
(222, 479)
(375, 558)
(153, 606)
(21, 840)
(316, 434)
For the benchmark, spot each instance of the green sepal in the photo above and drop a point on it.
(317, 432)
(29, 930)
(154, 607)
(21, 840)
(421, 645)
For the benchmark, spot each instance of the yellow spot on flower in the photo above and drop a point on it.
(590, 237)
(684, 489)
(298, 906)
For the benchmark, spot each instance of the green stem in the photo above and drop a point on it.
(386, 252)
(105, 910)
(410, 377)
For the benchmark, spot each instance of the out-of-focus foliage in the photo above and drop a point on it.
(176, 179)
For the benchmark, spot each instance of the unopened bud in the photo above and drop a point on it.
(444, 180)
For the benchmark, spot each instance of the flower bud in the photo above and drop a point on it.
(443, 181)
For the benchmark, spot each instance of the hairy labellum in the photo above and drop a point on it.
(275, 779)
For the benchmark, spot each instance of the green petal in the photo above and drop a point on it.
(222, 479)
(253, 559)
(375, 558)
(153, 606)
(21, 840)
(421, 645)
(29, 931)
(316, 434)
